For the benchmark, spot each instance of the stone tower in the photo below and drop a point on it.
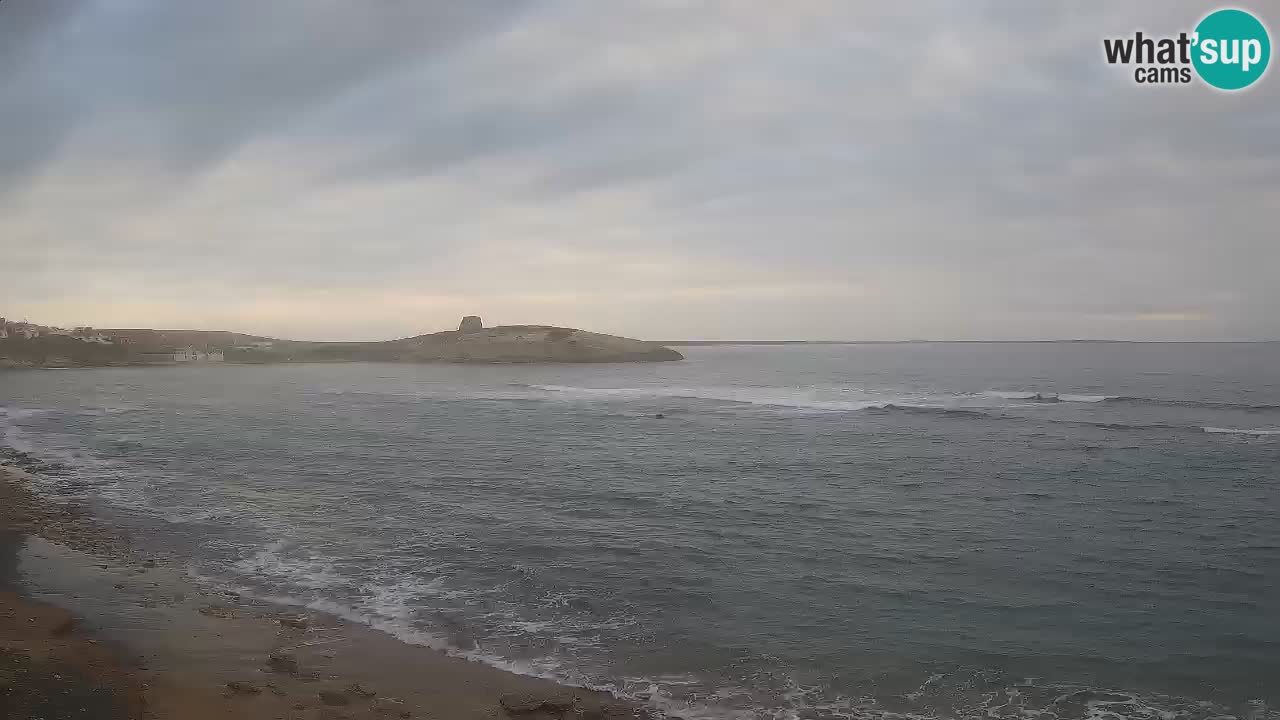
(470, 323)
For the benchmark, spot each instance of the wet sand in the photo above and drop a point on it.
(92, 627)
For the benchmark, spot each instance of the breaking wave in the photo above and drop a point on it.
(1052, 397)
(956, 405)
(1211, 404)
(957, 412)
(768, 396)
(1240, 431)
(1034, 396)
(11, 434)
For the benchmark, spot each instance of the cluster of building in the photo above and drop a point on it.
(31, 331)
(146, 350)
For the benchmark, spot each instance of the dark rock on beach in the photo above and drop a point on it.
(564, 705)
(216, 611)
(241, 687)
(334, 699)
(528, 703)
(361, 691)
(282, 663)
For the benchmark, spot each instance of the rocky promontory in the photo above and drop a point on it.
(528, 343)
(474, 343)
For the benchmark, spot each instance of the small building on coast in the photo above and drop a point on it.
(257, 345)
(89, 335)
(182, 355)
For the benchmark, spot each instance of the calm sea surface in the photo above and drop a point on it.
(951, 530)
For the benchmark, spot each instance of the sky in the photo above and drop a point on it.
(663, 169)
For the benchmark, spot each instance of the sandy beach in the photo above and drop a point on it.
(92, 626)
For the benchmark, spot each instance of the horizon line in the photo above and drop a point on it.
(970, 341)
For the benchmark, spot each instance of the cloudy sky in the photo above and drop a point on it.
(327, 169)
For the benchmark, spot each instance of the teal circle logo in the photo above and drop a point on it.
(1232, 49)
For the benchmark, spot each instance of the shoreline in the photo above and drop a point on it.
(89, 619)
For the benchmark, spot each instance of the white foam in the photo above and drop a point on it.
(97, 410)
(1239, 431)
(13, 438)
(809, 399)
(387, 612)
(308, 574)
(383, 607)
(13, 435)
(389, 609)
(392, 607)
(1061, 397)
(184, 516)
(20, 413)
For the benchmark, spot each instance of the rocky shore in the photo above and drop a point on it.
(93, 626)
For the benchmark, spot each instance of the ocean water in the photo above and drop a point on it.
(1044, 531)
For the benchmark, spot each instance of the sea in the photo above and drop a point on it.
(921, 530)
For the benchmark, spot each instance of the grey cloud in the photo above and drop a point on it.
(36, 117)
(201, 79)
(24, 26)
(451, 138)
(965, 163)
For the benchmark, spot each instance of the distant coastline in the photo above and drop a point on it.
(30, 345)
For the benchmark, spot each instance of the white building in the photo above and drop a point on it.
(181, 355)
(89, 335)
(257, 345)
(184, 355)
(163, 356)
